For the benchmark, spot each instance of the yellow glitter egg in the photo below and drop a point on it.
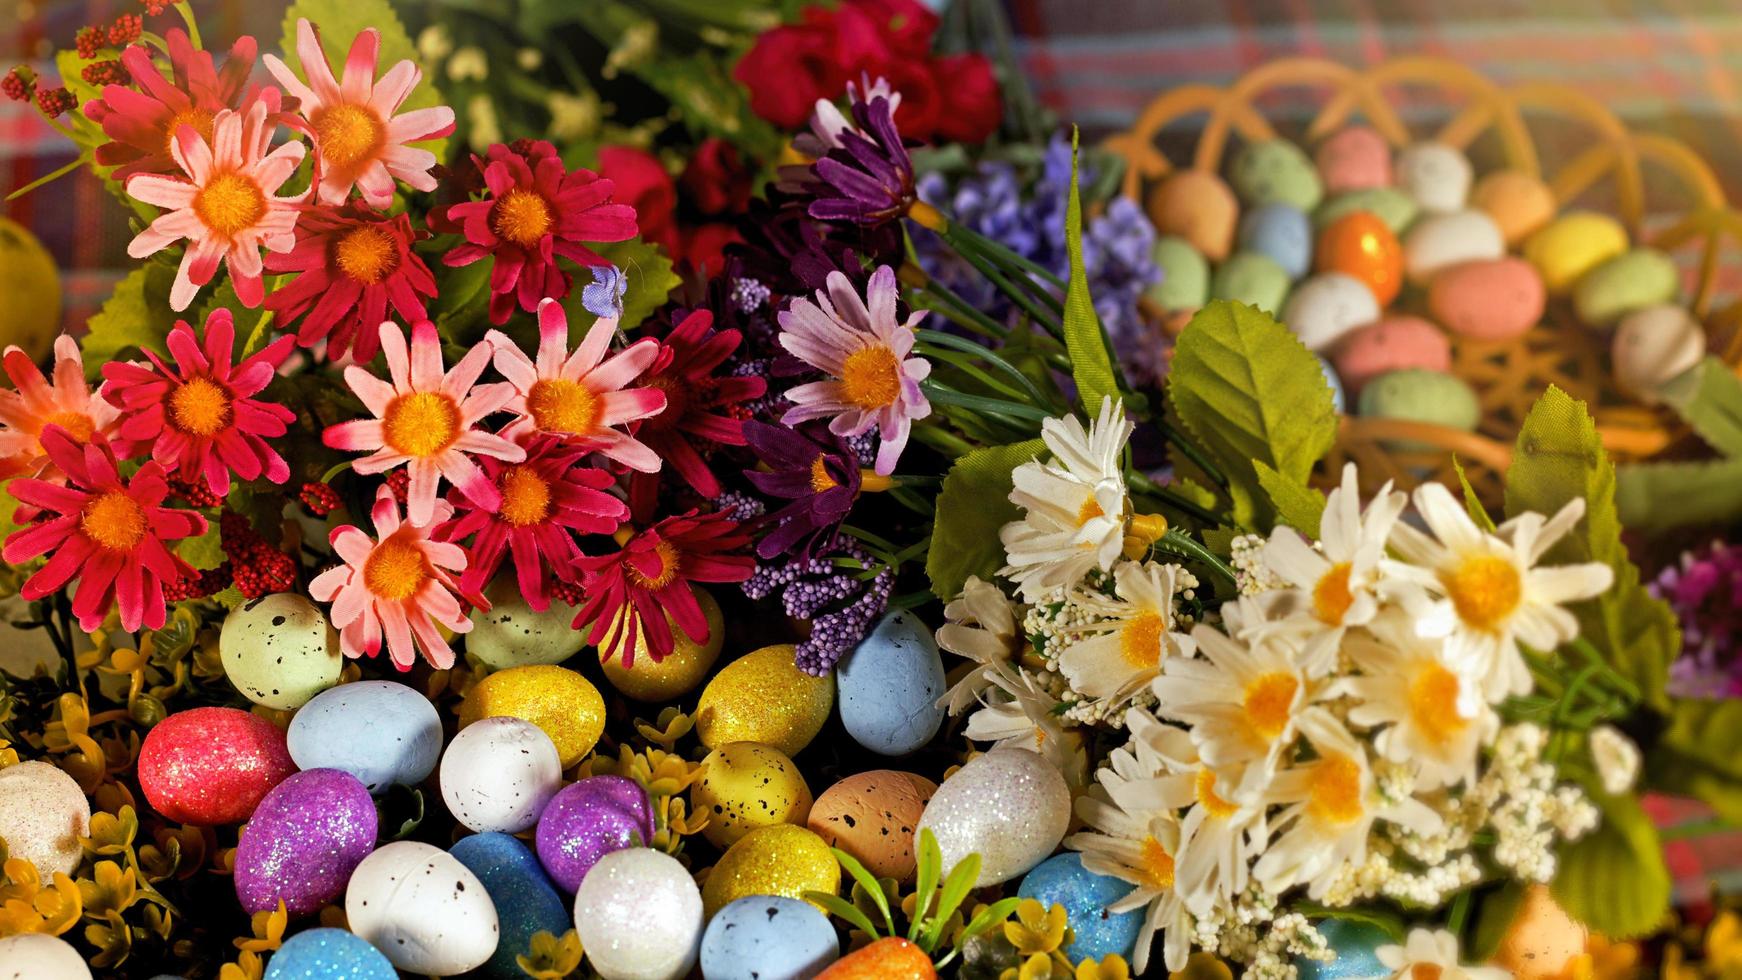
(681, 670)
(1573, 244)
(764, 697)
(746, 786)
(779, 860)
(563, 703)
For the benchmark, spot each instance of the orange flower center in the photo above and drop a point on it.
(199, 119)
(1270, 704)
(1154, 865)
(1204, 788)
(366, 255)
(1331, 596)
(422, 423)
(820, 478)
(201, 407)
(1334, 790)
(230, 203)
(77, 424)
(1140, 640)
(1090, 510)
(395, 570)
(1426, 971)
(871, 377)
(1433, 703)
(1485, 590)
(522, 217)
(114, 520)
(525, 496)
(669, 562)
(561, 405)
(348, 135)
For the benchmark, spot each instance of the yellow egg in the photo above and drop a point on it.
(1518, 203)
(1542, 939)
(780, 860)
(764, 697)
(30, 317)
(681, 670)
(746, 786)
(1573, 244)
(563, 703)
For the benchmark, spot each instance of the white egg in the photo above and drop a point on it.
(43, 813)
(422, 908)
(1440, 241)
(639, 916)
(498, 773)
(1327, 306)
(1436, 175)
(1010, 806)
(34, 956)
(1652, 346)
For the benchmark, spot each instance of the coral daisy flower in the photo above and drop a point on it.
(580, 396)
(39, 402)
(425, 420)
(199, 417)
(225, 209)
(396, 586)
(536, 210)
(359, 141)
(698, 406)
(863, 348)
(108, 532)
(811, 467)
(355, 265)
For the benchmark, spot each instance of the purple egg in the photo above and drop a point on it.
(304, 840)
(588, 820)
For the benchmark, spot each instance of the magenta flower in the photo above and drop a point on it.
(700, 403)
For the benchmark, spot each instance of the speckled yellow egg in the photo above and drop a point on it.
(746, 786)
(1541, 939)
(779, 860)
(563, 703)
(681, 669)
(764, 697)
(1573, 244)
(1518, 203)
(872, 816)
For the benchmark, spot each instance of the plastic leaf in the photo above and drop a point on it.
(956, 888)
(1614, 879)
(1704, 494)
(842, 909)
(1091, 364)
(931, 861)
(971, 506)
(1709, 398)
(1297, 505)
(1472, 502)
(867, 881)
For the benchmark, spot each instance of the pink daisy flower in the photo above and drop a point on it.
(579, 397)
(426, 421)
(66, 401)
(107, 532)
(225, 209)
(199, 417)
(398, 585)
(863, 349)
(359, 142)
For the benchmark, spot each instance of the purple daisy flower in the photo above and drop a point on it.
(867, 176)
(815, 470)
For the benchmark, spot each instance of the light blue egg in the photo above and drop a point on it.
(1356, 945)
(1281, 231)
(889, 687)
(382, 732)
(328, 954)
(1085, 895)
(763, 937)
(1339, 399)
(526, 902)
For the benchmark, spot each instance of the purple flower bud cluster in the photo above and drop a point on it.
(1705, 590)
(840, 606)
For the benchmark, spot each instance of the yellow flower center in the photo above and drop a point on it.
(395, 570)
(1270, 704)
(1205, 789)
(1140, 640)
(561, 405)
(365, 255)
(669, 562)
(871, 377)
(114, 520)
(820, 478)
(1433, 703)
(1090, 509)
(348, 134)
(1426, 971)
(230, 203)
(525, 496)
(1154, 865)
(422, 423)
(1331, 596)
(77, 424)
(521, 216)
(201, 407)
(199, 119)
(1484, 589)
(1334, 790)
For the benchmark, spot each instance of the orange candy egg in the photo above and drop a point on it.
(893, 958)
(1361, 245)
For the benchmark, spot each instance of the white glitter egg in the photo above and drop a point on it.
(639, 916)
(1010, 806)
(422, 908)
(279, 650)
(498, 773)
(43, 813)
(35, 956)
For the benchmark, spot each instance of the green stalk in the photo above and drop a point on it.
(997, 406)
(1140, 483)
(1179, 543)
(967, 346)
(1001, 254)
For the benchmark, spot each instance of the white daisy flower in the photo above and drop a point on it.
(1131, 636)
(1431, 954)
(983, 627)
(1074, 506)
(1616, 758)
(1138, 846)
(1016, 710)
(1433, 713)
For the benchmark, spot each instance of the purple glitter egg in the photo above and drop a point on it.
(305, 839)
(588, 820)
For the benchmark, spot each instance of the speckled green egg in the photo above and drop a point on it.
(1254, 279)
(1185, 275)
(1276, 170)
(1417, 395)
(745, 786)
(1631, 281)
(1397, 209)
(279, 650)
(512, 634)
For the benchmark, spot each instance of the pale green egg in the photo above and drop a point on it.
(513, 634)
(1185, 275)
(1627, 283)
(279, 650)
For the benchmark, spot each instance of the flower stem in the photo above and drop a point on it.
(996, 406)
(1179, 543)
(980, 350)
(186, 10)
(1003, 254)
(1140, 483)
(943, 440)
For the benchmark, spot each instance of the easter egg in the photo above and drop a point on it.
(38, 956)
(43, 813)
(1356, 945)
(1518, 203)
(1327, 306)
(679, 671)
(499, 773)
(1282, 232)
(1652, 346)
(1339, 399)
(1436, 175)
(305, 839)
(1421, 396)
(639, 917)
(1573, 244)
(328, 954)
(889, 958)
(1392, 344)
(889, 686)
(778, 860)
(524, 899)
(1275, 171)
(1253, 279)
(1010, 806)
(1197, 206)
(29, 279)
(766, 937)
(211, 765)
(563, 703)
(279, 650)
(1397, 209)
(1633, 280)
(1488, 299)
(585, 821)
(513, 634)
(747, 785)
(1085, 895)
(382, 732)
(1542, 939)
(1440, 241)
(764, 697)
(423, 908)
(1352, 159)
(1360, 245)
(872, 816)
(1185, 275)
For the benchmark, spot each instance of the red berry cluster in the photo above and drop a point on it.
(155, 7)
(125, 30)
(320, 499)
(54, 101)
(197, 494)
(399, 482)
(89, 41)
(257, 567)
(569, 592)
(19, 84)
(101, 73)
(199, 585)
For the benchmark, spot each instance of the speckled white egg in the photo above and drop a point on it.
(1325, 307)
(1440, 241)
(43, 813)
(1010, 806)
(279, 650)
(35, 956)
(498, 773)
(1436, 175)
(1652, 346)
(513, 634)
(422, 908)
(639, 916)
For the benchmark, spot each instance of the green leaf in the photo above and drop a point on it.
(1704, 492)
(135, 316)
(650, 282)
(1709, 399)
(1385, 920)
(204, 551)
(868, 882)
(842, 909)
(956, 889)
(1472, 502)
(971, 506)
(930, 867)
(1297, 505)
(8, 504)
(1696, 755)
(1085, 341)
(339, 22)
(1493, 917)
(990, 916)
(1614, 879)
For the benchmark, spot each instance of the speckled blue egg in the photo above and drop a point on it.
(1281, 231)
(766, 937)
(889, 687)
(328, 954)
(382, 732)
(526, 902)
(1085, 895)
(1356, 945)
(1339, 397)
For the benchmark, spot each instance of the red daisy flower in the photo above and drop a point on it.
(354, 264)
(699, 407)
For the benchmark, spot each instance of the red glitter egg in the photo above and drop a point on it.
(212, 765)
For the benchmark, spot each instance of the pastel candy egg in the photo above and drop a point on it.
(421, 907)
(1440, 241)
(1421, 396)
(1653, 345)
(304, 841)
(211, 765)
(587, 820)
(1010, 806)
(1275, 170)
(639, 917)
(1518, 203)
(279, 650)
(38, 956)
(1436, 175)
(1253, 279)
(889, 686)
(1356, 945)
(382, 732)
(766, 937)
(1339, 399)
(889, 958)
(747, 785)
(1198, 207)
(43, 813)
(499, 773)
(1393, 344)
(764, 697)
(524, 899)
(679, 671)
(1397, 209)
(563, 703)
(328, 954)
(872, 816)
(1281, 231)
(1573, 244)
(1327, 306)
(1359, 244)
(513, 634)
(778, 860)
(1631, 281)
(1542, 940)
(1085, 895)
(1185, 275)
(1353, 159)
(1489, 299)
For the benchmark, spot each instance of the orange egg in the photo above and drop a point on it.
(893, 958)
(1361, 245)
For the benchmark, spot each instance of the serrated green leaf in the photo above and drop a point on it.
(1709, 399)
(1696, 755)
(1297, 505)
(971, 506)
(1614, 879)
(203, 551)
(135, 316)
(1220, 539)
(1704, 492)
(1085, 341)
(339, 22)
(1472, 502)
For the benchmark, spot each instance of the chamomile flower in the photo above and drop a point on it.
(1074, 505)
(1139, 846)
(982, 627)
(1015, 709)
(1433, 714)
(1431, 954)
(1132, 634)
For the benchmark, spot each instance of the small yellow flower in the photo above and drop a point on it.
(1037, 929)
(1110, 967)
(110, 889)
(247, 967)
(268, 930)
(1724, 944)
(114, 941)
(1203, 966)
(672, 725)
(60, 906)
(1036, 967)
(112, 833)
(8, 754)
(551, 958)
(1612, 960)
(333, 917)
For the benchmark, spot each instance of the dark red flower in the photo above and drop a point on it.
(905, 26)
(790, 67)
(355, 266)
(973, 105)
(642, 183)
(717, 179)
(699, 407)
(704, 246)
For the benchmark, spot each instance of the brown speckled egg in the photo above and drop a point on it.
(1541, 939)
(745, 786)
(872, 816)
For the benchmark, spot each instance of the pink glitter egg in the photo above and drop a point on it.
(304, 840)
(212, 765)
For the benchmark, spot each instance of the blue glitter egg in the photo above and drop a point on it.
(526, 902)
(1085, 895)
(1281, 231)
(1339, 400)
(328, 954)
(1356, 945)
